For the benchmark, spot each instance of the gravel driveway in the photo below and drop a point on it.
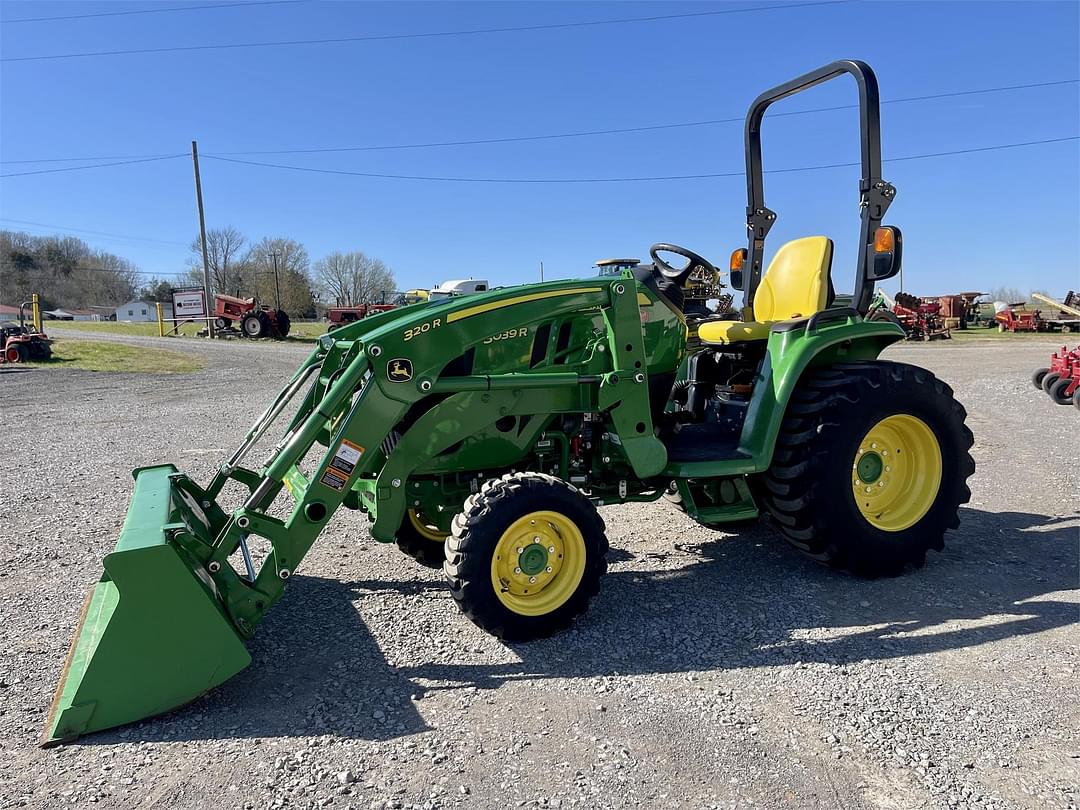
(713, 669)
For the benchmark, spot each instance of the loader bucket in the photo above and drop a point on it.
(152, 635)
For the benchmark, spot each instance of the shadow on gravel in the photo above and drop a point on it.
(753, 602)
(749, 601)
(315, 670)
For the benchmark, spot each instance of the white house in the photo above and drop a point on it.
(141, 311)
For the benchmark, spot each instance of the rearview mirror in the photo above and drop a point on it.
(886, 253)
(735, 268)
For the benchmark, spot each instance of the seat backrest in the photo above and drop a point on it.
(796, 285)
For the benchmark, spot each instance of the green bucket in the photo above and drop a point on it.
(152, 635)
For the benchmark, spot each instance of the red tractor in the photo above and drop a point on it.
(1062, 379)
(19, 344)
(255, 320)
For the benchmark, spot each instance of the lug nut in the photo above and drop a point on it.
(548, 569)
(536, 540)
(517, 570)
(551, 549)
(520, 550)
(532, 580)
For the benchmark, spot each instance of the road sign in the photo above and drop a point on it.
(189, 303)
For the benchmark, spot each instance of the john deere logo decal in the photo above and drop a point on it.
(399, 370)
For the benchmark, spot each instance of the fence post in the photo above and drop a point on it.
(160, 321)
(35, 311)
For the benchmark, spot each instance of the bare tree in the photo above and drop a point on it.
(227, 259)
(354, 278)
(293, 280)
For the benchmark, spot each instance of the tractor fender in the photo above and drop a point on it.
(787, 358)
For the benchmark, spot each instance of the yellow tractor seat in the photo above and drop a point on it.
(796, 285)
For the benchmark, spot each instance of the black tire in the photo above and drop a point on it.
(1049, 380)
(476, 535)
(1076, 402)
(808, 489)
(1037, 377)
(283, 324)
(40, 350)
(426, 550)
(222, 323)
(1057, 391)
(884, 315)
(254, 325)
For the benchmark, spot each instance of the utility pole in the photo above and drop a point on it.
(541, 272)
(202, 240)
(277, 285)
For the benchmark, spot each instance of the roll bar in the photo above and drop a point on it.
(875, 194)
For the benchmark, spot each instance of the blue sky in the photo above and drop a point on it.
(974, 221)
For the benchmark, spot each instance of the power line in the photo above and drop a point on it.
(539, 180)
(149, 11)
(94, 166)
(421, 35)
(577, 134)
(92, 233)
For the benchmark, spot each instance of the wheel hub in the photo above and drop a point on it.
(534, 558)
(870, 467)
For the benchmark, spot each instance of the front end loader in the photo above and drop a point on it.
(481, 433)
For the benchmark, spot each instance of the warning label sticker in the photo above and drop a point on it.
(342, 464)
(335, 480)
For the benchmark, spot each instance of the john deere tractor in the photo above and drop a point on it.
(481, 433)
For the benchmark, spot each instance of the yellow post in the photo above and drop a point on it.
(35, 311)
(160, 321)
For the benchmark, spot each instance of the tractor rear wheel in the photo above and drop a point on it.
(1049, 380)
(525, 556)
(870, 467)
(1057, 391)
(421, 539)
(283, 324)
(1037, 377)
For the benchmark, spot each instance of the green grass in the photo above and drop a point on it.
(302, 332)
(982, 333)
(98, 355)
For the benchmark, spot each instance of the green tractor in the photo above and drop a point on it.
(481, 433)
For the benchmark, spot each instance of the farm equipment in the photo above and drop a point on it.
(1017, 318)
(921, 319)
(1067, 318)
(482, 432)
(1062, 378)
(338, 316)
(255, 320)
(18, 343)
(387, 301)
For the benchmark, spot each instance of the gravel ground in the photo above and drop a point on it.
(713, 669)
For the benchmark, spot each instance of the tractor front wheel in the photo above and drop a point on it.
(870, 467)
(421, 539)
(525, 556)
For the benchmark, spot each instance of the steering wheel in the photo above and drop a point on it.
(676, 274)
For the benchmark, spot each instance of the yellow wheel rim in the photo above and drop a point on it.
(538, 563)
(429, 531)
(896, 473)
